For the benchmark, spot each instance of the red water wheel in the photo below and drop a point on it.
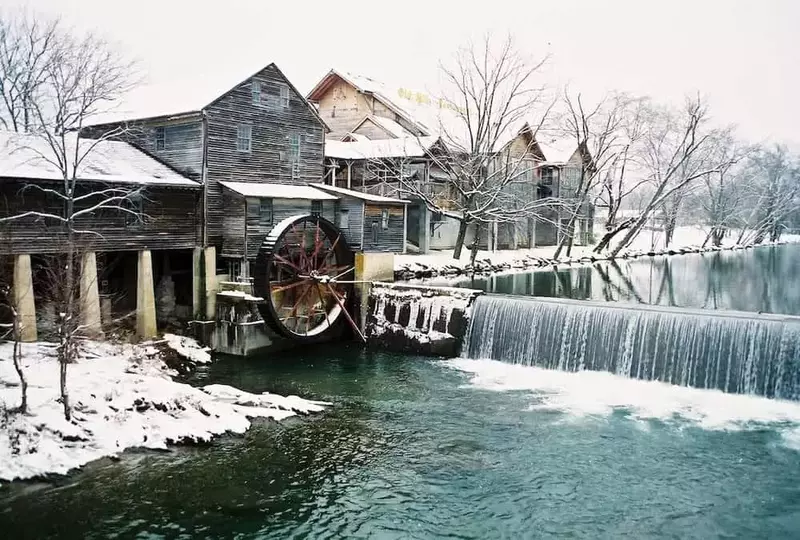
(304, 271)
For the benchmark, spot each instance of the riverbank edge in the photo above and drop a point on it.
(413, 270)
(123, 397)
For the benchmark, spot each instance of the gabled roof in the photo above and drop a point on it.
(30, 157)
(277, 191)
(430, 115)
(191, 96)
(558, 151)
(406, 147)
(359, 195)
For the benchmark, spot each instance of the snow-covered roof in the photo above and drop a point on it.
(355, 137)
(360, 195)
(277, 191)
(431, 115)
(185, 94)
(558, 151)
(31, 157)
(391, 126)
(407, 147)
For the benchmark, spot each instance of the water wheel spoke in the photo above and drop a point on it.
(288, 263)
(346, 314)
(276, 288)
(323, 304)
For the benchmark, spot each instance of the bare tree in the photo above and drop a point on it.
(597, 131)
(720, 196)
(27, 45)
(82, 78)
(491, 93)
(671, 144)
(776, 193)
(11, 329)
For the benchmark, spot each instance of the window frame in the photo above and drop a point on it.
(256, 91)
(384, 218)
(160, 138)
(136, 219)
(343, 218)
(316, 208)
(266, 208)
(241, 130)
(285, 96)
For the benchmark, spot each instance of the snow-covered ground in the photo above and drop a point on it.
(685, 238)
(122, 396)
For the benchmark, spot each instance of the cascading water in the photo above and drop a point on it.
(735, 352)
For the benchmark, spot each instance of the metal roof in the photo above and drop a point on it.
(360, 195)
(31, 157)
(277, 191)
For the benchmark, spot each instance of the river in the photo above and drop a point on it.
(422, 448)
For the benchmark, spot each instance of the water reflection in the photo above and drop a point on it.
(765, 279)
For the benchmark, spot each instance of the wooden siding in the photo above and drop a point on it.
(233, 242)
(373, 131)
(183, 142)
(171, 222)
(390, 239)
(355, 230)
(343, 107)
(270, 158)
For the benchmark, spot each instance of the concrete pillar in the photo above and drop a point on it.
(371, 267)
(91, 318)
(197, 283)
(23, 297)
(145, 297)
(210, 266)
(424, 229)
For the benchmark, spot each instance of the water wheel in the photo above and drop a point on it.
(304, 271)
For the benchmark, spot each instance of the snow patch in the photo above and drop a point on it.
(122, 396)
(188, 348)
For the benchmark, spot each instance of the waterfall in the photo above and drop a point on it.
(731, 351)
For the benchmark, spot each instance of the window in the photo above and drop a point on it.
(255, 92)
(285, 96)
(265, 212)
(385, 218)
(294, 146)
(374, 232)
(316, 208)
(547, 176)
(161, 138)
(344, 219)
(134, 217)
(244, 138)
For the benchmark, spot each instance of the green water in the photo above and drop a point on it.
(421, 448)
(412, 450)
(761, 279)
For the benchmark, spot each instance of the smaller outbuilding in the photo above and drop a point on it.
(371, 223)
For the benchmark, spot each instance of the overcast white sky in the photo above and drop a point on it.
(744, 55)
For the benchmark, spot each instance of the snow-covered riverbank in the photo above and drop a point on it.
(649, 243)
(122, 396)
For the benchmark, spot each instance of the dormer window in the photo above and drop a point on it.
(161, 138)
(255, 92)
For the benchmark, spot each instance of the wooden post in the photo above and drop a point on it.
(23, 297)
(349, 175)
(145, 297)
(210, 266)
(197, 283)
(90, 296)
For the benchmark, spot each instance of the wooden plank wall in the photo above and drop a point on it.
(270, 158)
(233, 243)
(171, 222)
(388, 240)
(183, 142)
(354, 232)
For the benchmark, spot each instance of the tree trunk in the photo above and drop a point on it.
(475, 245)
(16, 355)
(462, 235)
(606, 239)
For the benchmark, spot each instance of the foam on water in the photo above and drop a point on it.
(599, 394)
